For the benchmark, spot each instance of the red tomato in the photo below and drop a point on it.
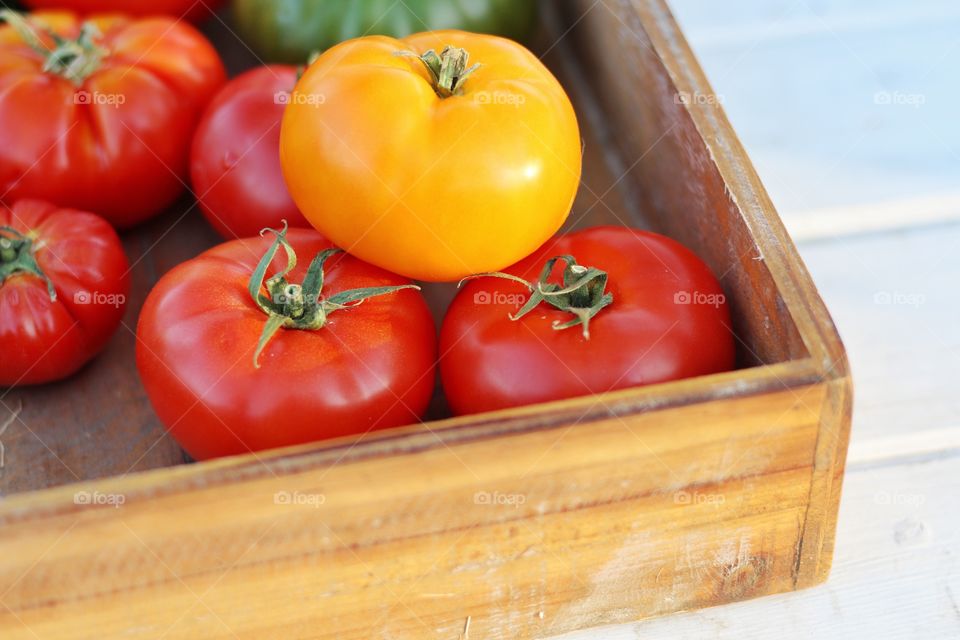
(363, 367)
(110, 131)
(64, 281)
(662, 316)
(235, 165)
(194, 10)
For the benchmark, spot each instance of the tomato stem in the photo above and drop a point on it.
(448, 69)
(300, 306)
(73, 59)
(17, 256)
(582, 292)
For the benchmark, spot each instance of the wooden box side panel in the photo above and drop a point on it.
(820, 522)
(607, 521)
(681, 155)
(672, 170)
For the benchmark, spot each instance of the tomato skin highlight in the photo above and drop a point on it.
(668, 321)
(43, 340)
(234, 164)
(370, 367)
(118, 143)
(192, 10)
(432, 188)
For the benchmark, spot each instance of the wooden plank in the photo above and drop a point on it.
(366, 545)
(832, 223)
(866, 112)
(897, 573)
(709, 24)
(893, 298)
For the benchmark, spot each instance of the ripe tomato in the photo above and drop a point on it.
(324, 370)
(194, 10)
(63, 289)
(108, 127)
(432, 176)
(655, 313)
(234, 164)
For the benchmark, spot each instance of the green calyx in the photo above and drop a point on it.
(582, 293)
(73, 59)
(300, 306)
(448, 69)
(17, 256)
(302, 68)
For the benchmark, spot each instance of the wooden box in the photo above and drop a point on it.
(527, 523)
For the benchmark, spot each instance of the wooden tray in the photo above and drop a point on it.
(527, 523)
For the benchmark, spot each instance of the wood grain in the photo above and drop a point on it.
(624, 518)
(896, 575)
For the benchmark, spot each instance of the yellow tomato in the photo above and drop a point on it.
(403, 156)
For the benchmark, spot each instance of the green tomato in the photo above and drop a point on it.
(290, 30)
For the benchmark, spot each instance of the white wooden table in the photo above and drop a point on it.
(850, 110)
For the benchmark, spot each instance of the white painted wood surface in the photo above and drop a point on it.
(896, 573)
(850, 110)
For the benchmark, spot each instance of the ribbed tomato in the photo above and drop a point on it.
(64, 281)
(434, 156)
(102, 120)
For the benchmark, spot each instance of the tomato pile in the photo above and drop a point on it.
(443, 156)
